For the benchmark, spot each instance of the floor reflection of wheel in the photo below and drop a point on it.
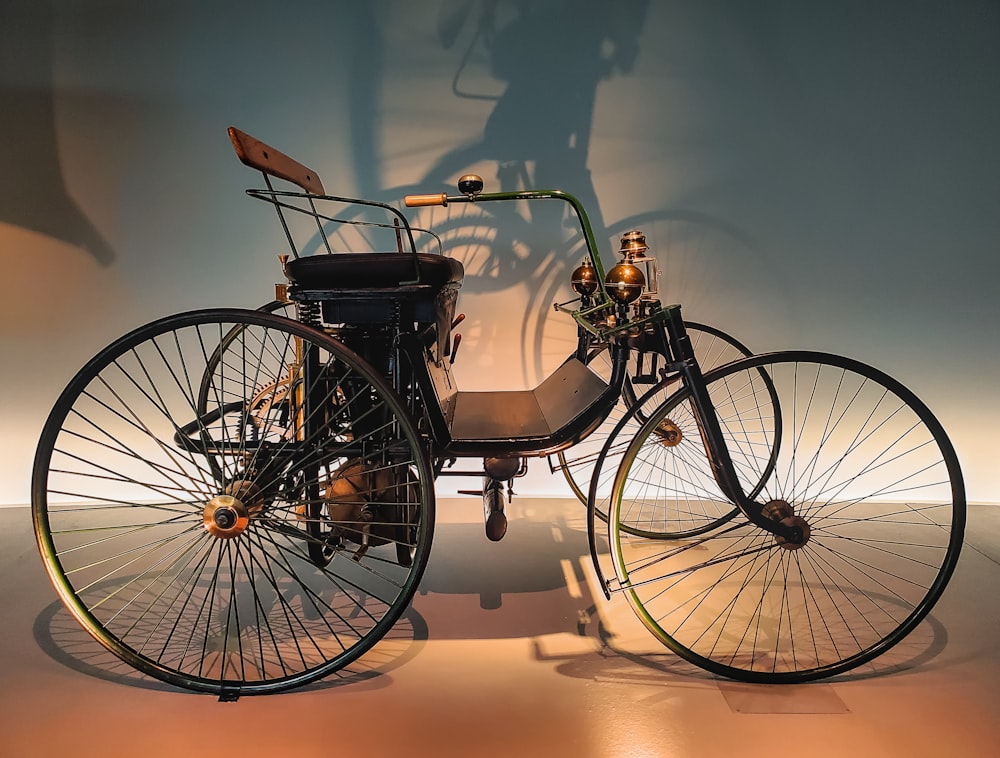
(586, 460)
(863, 468)
(286, 558)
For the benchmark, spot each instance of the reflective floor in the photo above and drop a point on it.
(509, 649)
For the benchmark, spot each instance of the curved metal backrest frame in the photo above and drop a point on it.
(271, 162)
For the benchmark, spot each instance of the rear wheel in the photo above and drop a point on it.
(863, 468)
(232, 501)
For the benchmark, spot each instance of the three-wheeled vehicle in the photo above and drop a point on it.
(242, 501)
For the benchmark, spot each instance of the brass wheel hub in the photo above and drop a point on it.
(669, 434)
(225, 517)
(782, 511)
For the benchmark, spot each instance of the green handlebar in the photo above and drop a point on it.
(588, 233)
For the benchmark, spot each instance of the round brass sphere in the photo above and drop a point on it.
(625, 283)
(584, 278)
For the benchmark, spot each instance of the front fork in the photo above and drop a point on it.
(723, 469)
(669, 338)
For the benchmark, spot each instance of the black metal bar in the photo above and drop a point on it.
(719, 459)
(281, 216)
(270, 195)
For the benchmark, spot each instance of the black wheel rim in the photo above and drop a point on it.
(173, 577)
(867, 468)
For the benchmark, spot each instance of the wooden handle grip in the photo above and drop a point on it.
(418, 201)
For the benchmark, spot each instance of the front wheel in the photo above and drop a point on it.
(864, 469)
(231, 501)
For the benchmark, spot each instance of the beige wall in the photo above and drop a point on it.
(814, 176)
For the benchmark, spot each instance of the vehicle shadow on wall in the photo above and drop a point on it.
(33, 193)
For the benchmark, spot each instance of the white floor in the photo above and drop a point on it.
(509, 650)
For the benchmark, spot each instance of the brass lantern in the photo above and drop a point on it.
(633, 245)
(625, 282)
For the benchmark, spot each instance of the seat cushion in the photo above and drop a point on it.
(354, 271)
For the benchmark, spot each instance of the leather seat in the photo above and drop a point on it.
(357, 271)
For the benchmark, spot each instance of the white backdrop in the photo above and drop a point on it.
(817, 175)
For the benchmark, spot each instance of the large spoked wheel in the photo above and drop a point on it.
(231, 501)
(863, 468)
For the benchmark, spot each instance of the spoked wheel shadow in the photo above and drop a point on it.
(59, 635)
(617, 659)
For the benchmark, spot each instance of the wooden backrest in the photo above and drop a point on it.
(256, 154)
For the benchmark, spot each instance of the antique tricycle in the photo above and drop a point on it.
(242, 501)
